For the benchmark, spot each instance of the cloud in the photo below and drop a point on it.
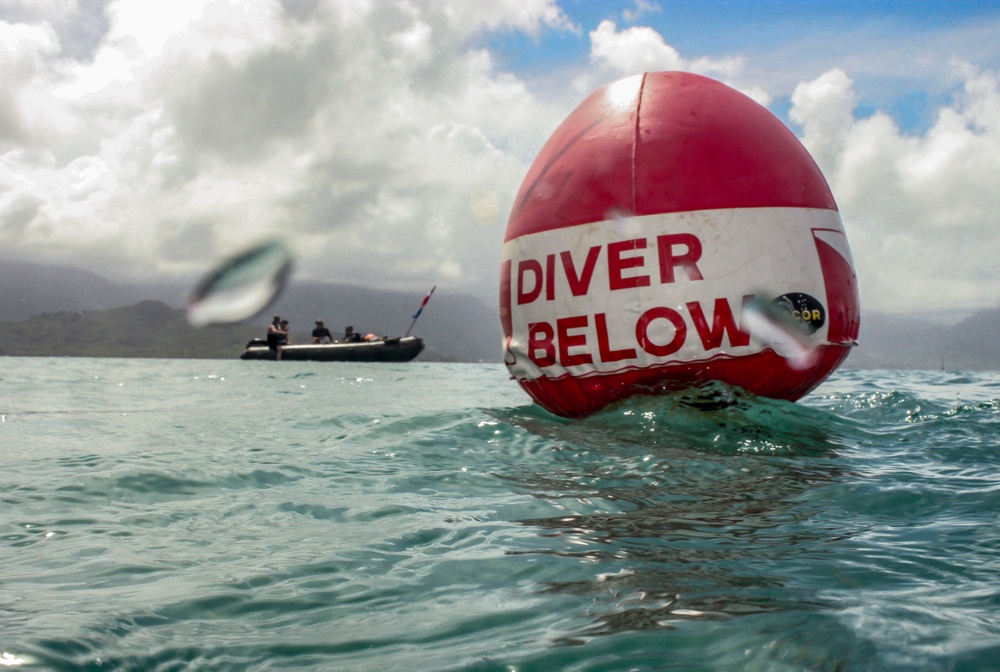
(79, 26)
(376, 137)
(386, 145)
(640, 9)
(920, 209)
(24, 51)
(638, 49)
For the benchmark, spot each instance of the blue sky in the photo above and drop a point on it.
(719, 27)
(385, 140)
(785, 36)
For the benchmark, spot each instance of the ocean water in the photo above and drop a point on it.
(228, 515)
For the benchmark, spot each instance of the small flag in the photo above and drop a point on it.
(424, 302)
(421, 309)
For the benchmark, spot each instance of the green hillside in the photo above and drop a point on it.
(147, 329)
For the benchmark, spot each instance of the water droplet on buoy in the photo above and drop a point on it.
(775, 327)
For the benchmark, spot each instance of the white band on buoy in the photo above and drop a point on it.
(576, 293)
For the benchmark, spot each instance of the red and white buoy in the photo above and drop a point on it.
(650, 219)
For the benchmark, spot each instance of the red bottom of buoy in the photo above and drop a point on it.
(765, 374)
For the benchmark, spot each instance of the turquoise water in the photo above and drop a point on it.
(227, 515)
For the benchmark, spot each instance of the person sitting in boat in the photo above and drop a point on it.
(274, 333)
(283, 338)
(321, 334)
(351, 336)
(372, 337)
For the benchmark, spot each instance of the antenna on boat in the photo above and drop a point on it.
(420, 310)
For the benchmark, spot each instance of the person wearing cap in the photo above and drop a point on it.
(321, 334)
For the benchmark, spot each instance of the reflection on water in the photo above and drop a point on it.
(687, 506)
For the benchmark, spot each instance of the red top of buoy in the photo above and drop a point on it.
(665, 142)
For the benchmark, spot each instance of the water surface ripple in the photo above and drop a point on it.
(227, 515)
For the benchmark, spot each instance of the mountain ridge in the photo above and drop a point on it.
(40, 301)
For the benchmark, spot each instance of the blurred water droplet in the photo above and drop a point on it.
(623, 222)
(242, 286)
(776, 328)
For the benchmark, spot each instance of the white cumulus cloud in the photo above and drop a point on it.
(376, 137)
(920, 209)
(639, 49)
(385, 143)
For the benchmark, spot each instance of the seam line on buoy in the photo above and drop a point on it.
(635, 137)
